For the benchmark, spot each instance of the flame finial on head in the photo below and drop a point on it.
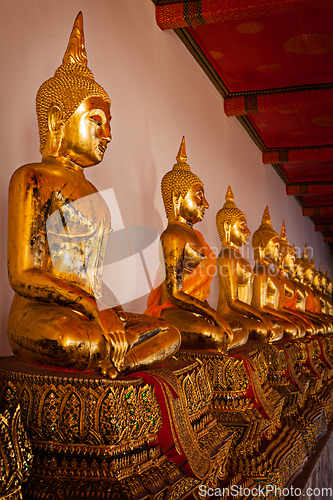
(263, 234)
(283, 235)
(229, 195)
(306, 260)
(182, 156)
(285, 247)
(305, 254)
(76, 51)
(266, 218)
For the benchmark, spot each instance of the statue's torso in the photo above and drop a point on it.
(70, 232)
(186, 248)
(266, 286)
(245, 280)
(287, 289)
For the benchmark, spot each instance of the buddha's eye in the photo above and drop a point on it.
(96, 119)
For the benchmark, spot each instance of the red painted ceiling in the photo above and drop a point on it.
(272, 61)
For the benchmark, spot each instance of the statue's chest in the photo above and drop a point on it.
(77, 232)
(193, 255)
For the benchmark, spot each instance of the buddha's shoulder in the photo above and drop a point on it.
(39, 174)
(174, 231)
(228, 253)
(32, 171)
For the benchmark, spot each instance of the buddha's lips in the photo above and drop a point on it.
(102, 147)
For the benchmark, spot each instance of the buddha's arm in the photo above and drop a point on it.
(259, 297)
(227, 272)
(173, 245)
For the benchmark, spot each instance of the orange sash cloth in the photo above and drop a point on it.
(197, 284)
(289, 303)
(310, 304)
(317, 304)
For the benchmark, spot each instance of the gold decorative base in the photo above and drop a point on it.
(204, 419)
(90, 435)
(15, 453)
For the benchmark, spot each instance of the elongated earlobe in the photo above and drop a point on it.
(227, 228)
(176, 204)
(55, 127)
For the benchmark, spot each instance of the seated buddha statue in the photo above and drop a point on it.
(301, 296)
(328, 294)
(312, 306)
(319, 284)
(236, 276)
(266, 285)
(288, 291)
(189, 266)
(62, 314)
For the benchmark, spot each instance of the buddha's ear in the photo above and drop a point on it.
(55, 118)
(262, 249)
(55, 124)
(227, 227)
(175, 202)
(175, 197)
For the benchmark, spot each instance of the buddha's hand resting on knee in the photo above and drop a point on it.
(269, 324)
(115, 333)
(225, 327)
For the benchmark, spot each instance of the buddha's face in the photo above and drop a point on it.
(86, 133)
(300, 271)
(309, 275)
(323, 281)
(316, 280)
(192, 207)
(289, 261)
(239, 232)
(272, 249)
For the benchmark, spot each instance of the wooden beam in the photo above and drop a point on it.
(289, 155)
(276, 101)
(324, 227)
(172, 14)
(313, 211)
(305, 188)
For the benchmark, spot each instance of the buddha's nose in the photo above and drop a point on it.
(205, 203)
(106, 134)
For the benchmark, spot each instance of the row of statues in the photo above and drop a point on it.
(62, 314)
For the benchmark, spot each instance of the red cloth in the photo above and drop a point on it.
(310, 304)
(197, 284)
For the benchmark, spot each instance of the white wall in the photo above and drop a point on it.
(158, 94)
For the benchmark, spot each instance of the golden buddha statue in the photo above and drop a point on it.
(62, 314)
(302, 292)
(321, 287)
(266, 286)
(288, 291)
(312, 306)
(328, 294)
(189, 266)
(236, 276)
(319, 284)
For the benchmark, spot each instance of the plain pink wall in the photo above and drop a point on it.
(158, 94)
